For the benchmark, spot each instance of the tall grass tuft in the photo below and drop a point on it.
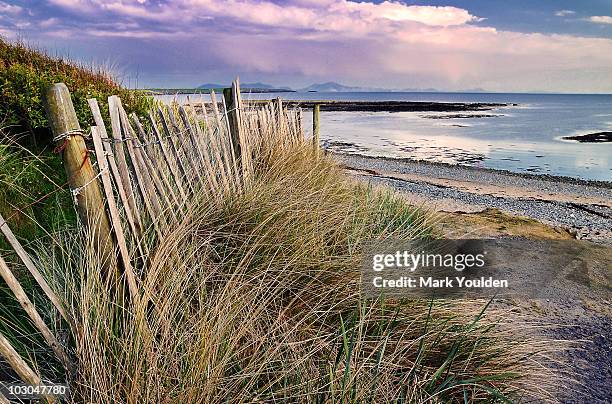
(254, 297)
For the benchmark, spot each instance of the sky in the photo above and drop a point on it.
(453, 45)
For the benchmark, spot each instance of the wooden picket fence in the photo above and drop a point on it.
(144, 178)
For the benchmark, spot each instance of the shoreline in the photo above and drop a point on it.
(390, 106)
(582, 209)
(460, 167)
(467, 202)
(375, 106)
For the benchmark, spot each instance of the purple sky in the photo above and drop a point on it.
(559, 45)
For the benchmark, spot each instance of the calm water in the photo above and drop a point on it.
(522, 138)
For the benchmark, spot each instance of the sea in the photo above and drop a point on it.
(524, 137)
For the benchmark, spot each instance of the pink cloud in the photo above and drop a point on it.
(395, 11)
(355, 42)
(601, 19)
(299, 14)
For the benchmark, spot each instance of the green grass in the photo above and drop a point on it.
(32, 199)
(29, 170)
(25, 73)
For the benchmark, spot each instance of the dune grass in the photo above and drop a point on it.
(254, 297)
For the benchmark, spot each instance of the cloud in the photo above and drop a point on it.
(387, 44)
(393, 11)
(302, 13)
(9, 8)
(601, 19)
(564, 13)
(49, 22)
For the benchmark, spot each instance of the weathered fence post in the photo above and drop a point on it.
(69, 141)
(316, 122)
(233, 119)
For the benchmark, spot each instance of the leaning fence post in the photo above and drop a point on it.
(68, 136)
(233, 119)
(316, 123)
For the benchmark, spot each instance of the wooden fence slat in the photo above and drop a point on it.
(245, 155)
(205, 114)
(205, 164)
(215, 107)
(114, 211)
(152, 172)
(186, 154)
(121, 161)
(20, 366)
(142, 182)
(232, 117)
(204, 141)
(263, 130)
(108, 149)
(230, 149)
(168, 159)
(193, 117)
(177, 139)
(159, 178)
(300, 123)
(228, 157)
(27, 261)
(29, 308)
(316, 113)
(213, 141)
(135, 154)
(169, 135)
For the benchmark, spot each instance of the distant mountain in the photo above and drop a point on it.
(209, 86)
(256, 86)
(473, 90)
(420, 90)
(435, 90)
(331, 87)
(263, 86)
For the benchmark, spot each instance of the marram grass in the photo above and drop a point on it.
(254, 297)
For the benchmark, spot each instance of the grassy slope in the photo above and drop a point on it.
(25, 73)
(31, 199)
(29, 170)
